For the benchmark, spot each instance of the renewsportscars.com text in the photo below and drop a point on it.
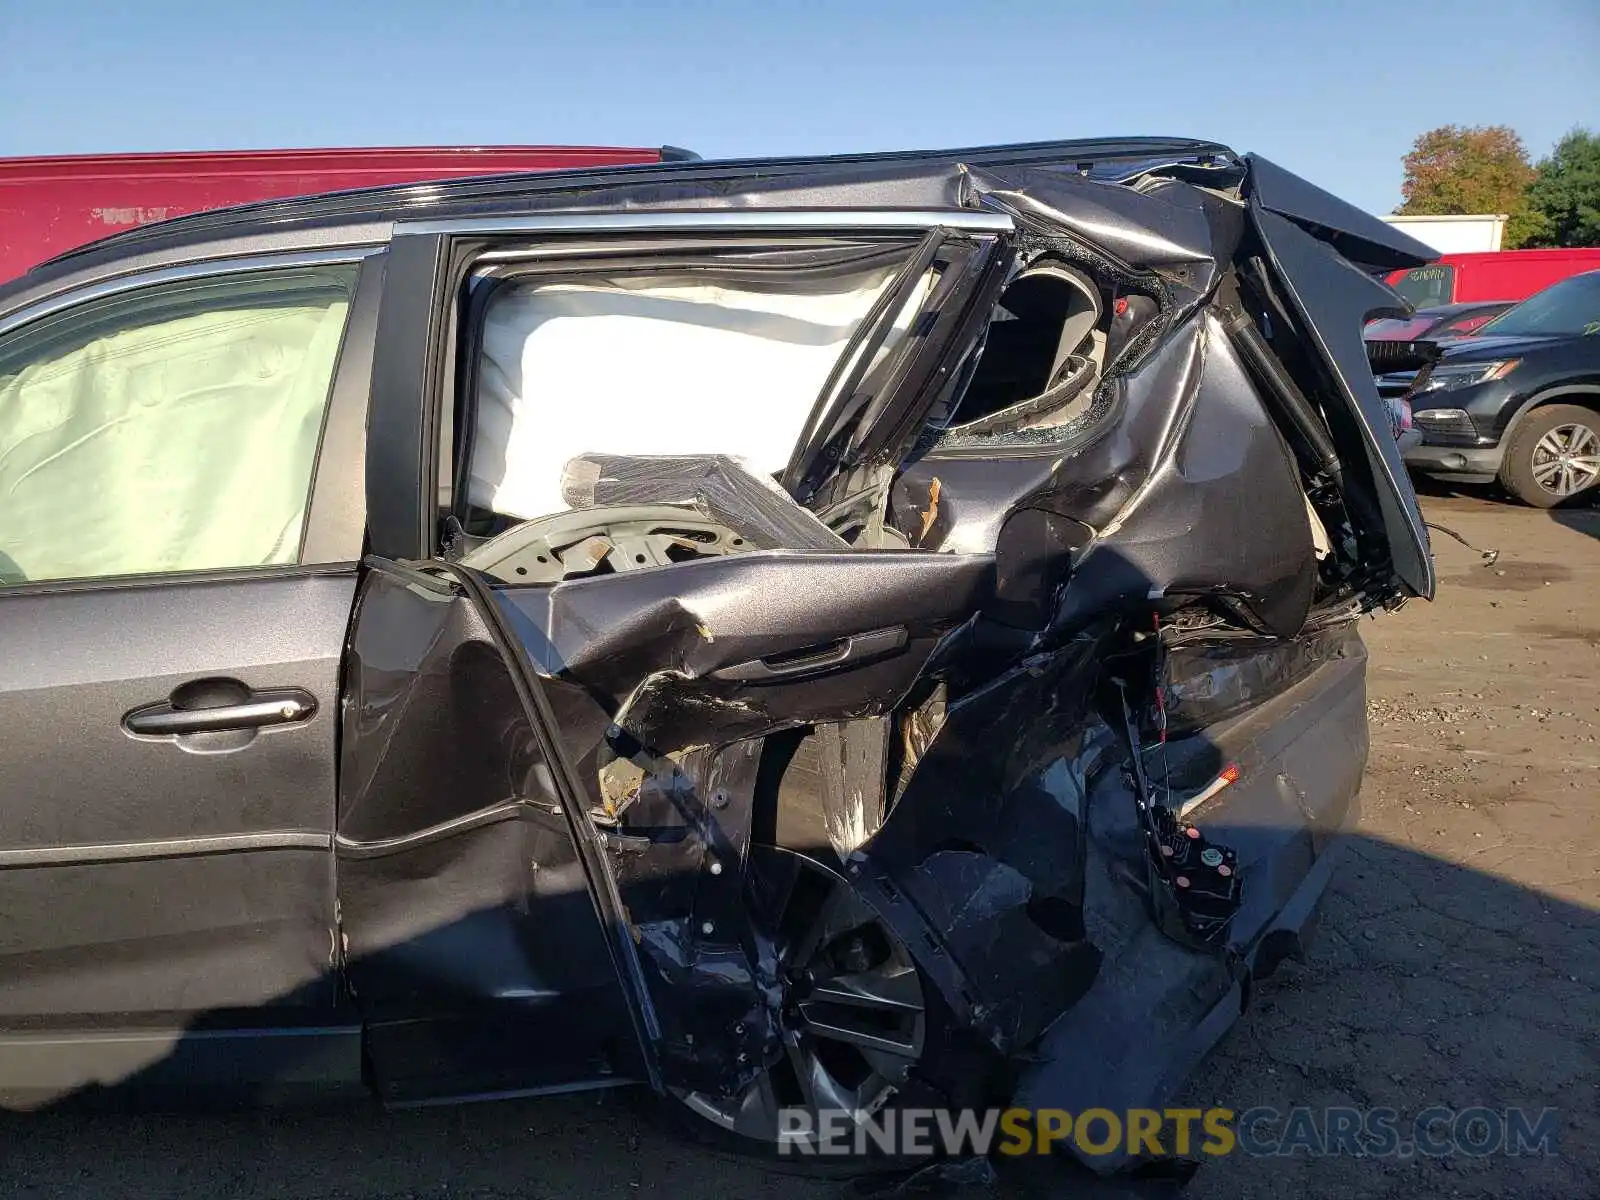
(1436, 1132)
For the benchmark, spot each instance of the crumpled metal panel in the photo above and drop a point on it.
(1210, 677)
(1142, 231)
(1221, 514)
(677, 853)
(1157, 1007)
(665, 648)
(1334, 299)
(987, 841)
(1357, 235)
(1191, 492)
(463, 908)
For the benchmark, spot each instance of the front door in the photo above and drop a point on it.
(177, 552)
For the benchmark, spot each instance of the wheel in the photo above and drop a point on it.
(1553, 455)
(856, 1020)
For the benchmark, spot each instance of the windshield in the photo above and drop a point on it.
(1426, 287)
(1570, 308)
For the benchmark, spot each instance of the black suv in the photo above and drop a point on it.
(1519, 402)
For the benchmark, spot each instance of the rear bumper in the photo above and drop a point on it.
(1157, 1008)
(1136, 1038)
(1294, 929)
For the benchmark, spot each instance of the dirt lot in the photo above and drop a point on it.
(1459, 965)
(1460, 956)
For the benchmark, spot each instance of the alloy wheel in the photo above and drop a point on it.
(852, 1015)
(1566, 460)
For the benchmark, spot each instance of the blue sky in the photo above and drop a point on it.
(1336, 93)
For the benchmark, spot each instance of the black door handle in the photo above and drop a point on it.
(851, 649)
(215, 706)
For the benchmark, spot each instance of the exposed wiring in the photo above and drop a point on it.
(1490, 557)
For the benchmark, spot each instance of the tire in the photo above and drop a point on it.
(817, 915)
(1553, 455)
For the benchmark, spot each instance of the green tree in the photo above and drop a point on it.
(1565, 193)
(1483, 169)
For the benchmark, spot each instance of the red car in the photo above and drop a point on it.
(50, 205)
(1501, 275)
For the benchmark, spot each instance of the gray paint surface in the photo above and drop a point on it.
(224, 899)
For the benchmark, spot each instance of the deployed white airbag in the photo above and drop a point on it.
(650, 367)
(175, 445)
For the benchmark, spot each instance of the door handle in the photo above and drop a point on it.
(854, 648)
(183, 714)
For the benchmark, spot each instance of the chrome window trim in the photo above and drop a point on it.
(34, 857)
(211, 267)
(841, 220)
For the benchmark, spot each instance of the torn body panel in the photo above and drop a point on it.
(1222, 514)
(664, 681)
(720, 649)
(1194, 493)
(1157, 1007)
(986, 844)
(1324, 290)
(677, 848)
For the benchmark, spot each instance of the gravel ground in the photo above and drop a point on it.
(1460, 957)
(1459, 962)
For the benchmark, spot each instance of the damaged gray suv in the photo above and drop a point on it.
(816, 634)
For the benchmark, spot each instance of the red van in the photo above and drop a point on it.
(1499, 275)
(49, 205)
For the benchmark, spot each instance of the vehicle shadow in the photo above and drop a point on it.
(1422, 968)
(1581, 514)
(1580, 518)
(1427, 487)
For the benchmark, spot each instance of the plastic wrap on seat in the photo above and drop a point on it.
(715, 485)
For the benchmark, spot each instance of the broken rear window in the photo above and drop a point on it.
(1052, 338)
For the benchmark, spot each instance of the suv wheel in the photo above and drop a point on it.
(861, 1032)
(1553, 455)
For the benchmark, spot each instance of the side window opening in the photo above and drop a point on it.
(672, 363)
(682, 388)
(1044, 350)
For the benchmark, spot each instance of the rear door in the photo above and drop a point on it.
(606, 584)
